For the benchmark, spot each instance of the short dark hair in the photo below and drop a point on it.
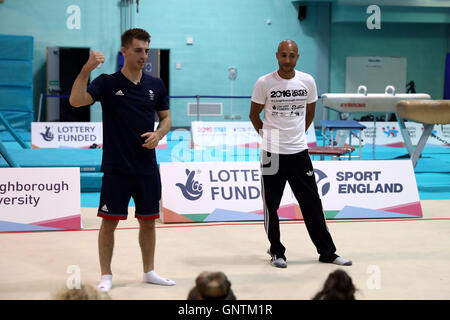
(338, 286)
(211, 286)
(136, 33)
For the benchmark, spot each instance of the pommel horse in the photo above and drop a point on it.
(427, 112)
(369, 102)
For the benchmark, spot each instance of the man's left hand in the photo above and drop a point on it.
(151, 139)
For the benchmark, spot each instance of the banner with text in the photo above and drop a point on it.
(231, 191)
(79, 135)
(232, 134)
(388, 134)
(83, 135)
(37, 199)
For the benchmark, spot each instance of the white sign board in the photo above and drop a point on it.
(375, 73)
(388, 134)
(46, 197)
(386, 185)
(226, 191)
(81, 135)
(232, 134)
(66, 135)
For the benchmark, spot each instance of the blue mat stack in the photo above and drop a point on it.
(16, 81)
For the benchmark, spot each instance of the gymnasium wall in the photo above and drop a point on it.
(418, 33)
(46, 21)
(235, 33)
(226, 33)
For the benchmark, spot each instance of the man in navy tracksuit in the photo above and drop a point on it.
(129, 100)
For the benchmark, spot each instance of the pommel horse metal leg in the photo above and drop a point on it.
(415, 152)
(427, 130)
(427, 112)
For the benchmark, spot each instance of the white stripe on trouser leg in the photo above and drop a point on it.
(266, 212)
(325, 217)
(323, 212)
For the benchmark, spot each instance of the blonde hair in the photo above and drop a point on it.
(86, 292)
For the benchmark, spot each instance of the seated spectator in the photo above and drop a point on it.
(338, 286)
(86, 292)
(211, 286)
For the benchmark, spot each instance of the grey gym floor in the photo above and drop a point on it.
(392, 259)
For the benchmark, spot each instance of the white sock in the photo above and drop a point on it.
(342, 262)
(152, 277)
(105, 283)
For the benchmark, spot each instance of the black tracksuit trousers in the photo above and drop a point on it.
(296, 169)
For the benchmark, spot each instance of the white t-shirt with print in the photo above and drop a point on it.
(284, 103)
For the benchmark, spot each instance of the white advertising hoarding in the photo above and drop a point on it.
(232, 134)
(81, 135)
(384, 185)
(44, 197)
(224, 191)
(66, 135)
(388, 134)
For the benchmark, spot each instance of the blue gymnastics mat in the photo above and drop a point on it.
(432, 170)
(89, 160)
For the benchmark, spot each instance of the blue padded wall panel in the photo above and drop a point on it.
(16, 81)
(16, 73)
(16, 47)
(18, 120)
(447, 78)
(16, 98)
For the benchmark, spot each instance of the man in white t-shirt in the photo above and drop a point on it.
(288, 98)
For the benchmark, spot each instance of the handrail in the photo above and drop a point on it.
(197, 97)
(175, 97)
(13, 132)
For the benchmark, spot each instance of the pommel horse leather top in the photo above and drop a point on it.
(427, 112)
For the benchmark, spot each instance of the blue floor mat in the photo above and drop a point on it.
(432, 170)
(5, 136)
(86, 159)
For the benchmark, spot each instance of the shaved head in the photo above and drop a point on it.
(287, 56)
(289, 45)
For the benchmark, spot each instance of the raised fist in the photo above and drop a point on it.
(94, 60)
